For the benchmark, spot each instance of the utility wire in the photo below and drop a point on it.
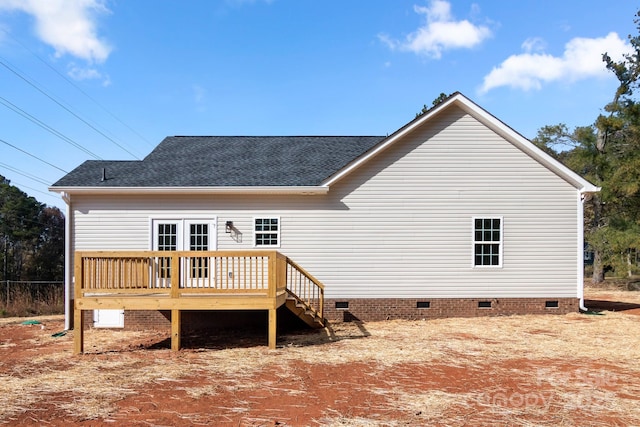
(25, 174)
(79, 89)
(30, 188)
(59, 227)
(22, 218)
(31, 155)
(30, 83)
(46, 127)
(19, 186)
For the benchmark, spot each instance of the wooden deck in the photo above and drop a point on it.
(193, 280)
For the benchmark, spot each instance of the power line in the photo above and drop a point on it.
(25, 174)
(46, 127)
(42, 91)
(79, 89)
(15, 184)
(31, 188)
(22, 218)
(59, 227)
(31, 155)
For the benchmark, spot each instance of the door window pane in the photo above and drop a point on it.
(167, 241)
(199, 241)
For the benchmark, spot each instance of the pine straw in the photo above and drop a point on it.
(95, 382)
(13, 320)
(600, 356)
(612, 293)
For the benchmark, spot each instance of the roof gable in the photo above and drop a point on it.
(510, 135)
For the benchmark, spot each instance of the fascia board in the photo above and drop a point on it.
(300, 190)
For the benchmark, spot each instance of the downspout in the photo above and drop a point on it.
(68, 271)
(582, 197)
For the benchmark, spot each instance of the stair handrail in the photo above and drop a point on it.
(310, 293)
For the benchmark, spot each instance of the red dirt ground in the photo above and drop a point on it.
(306, 395)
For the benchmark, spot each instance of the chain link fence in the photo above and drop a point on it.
(24, 298)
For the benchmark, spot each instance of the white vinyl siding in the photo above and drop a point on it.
(396, 227)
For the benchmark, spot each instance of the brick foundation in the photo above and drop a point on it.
(367, 309)
(363, 309)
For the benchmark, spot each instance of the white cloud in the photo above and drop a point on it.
(68, 26)
(77, 72)
(440, 32)
(199, 97)
(199, 93)
(582, 59)
(4, 31)
(533, 44)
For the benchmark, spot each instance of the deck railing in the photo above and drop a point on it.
(305, 288)
(180, 272)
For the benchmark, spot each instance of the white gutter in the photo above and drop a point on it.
(301, 190)
(581, 199)
(68, 275)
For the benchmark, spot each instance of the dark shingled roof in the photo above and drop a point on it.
(223, 161)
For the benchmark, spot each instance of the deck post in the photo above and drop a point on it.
(175, 330)
(78, 315)
(273, 273)
(175, 276)
(272, 328)
(78, 331)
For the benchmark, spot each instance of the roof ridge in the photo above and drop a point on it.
(276, 136)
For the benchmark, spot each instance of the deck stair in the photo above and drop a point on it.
(304, 311)
(304, 295)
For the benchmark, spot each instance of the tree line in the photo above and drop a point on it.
(607, 153)
(31, 237)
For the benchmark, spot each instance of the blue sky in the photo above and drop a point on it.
(111, 78)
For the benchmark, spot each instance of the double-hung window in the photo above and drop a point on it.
(266, 232)
(487, 242)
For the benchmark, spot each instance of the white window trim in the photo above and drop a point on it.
(183, 228)
(500, 243)
(153, 226)
(279, 234)
(213, 232)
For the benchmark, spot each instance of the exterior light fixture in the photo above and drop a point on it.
(228, 226)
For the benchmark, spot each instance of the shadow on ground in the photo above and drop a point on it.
(291, 332)
(602, 305)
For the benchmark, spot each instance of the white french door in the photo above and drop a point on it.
(198, 269)
(185, 235)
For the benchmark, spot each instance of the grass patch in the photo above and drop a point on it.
(20, 299)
